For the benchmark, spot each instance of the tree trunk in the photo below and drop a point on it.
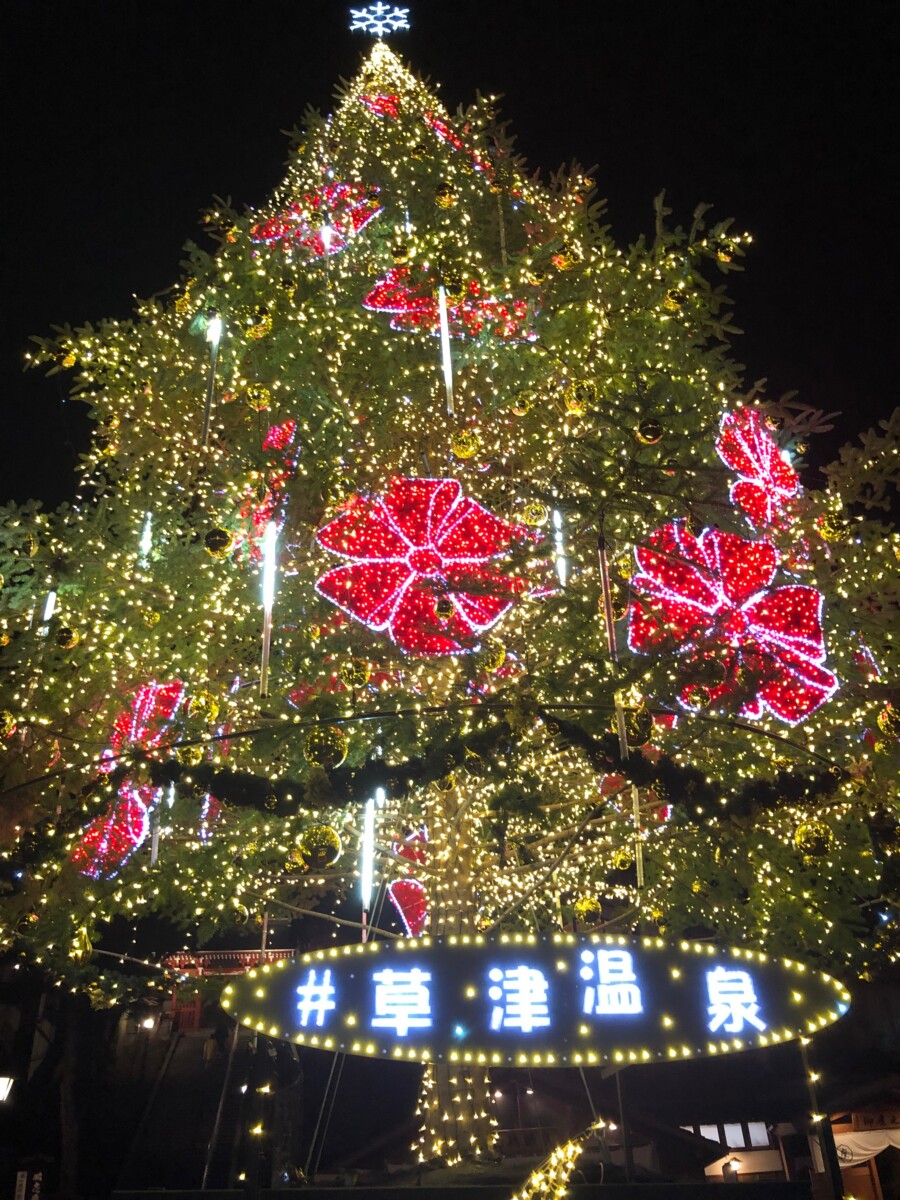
(68, 1102)
(454, 1100)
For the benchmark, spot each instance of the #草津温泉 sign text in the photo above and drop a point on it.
(536, 1001)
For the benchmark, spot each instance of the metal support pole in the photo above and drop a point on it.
(626, 1138)
(825, 1135)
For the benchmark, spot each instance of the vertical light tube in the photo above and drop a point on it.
(269, 548)
(445, 348)
(146, 544)
(621, 729)
(367, 863)
(559, 548)
(213, 336)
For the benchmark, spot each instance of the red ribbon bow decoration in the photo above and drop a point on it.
(412, 299)
(713, 593)
(339, 211)
(421, 546)
(408, 895)
(767, 481)
(109, 841)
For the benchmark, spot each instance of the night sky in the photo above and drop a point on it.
(122, 120)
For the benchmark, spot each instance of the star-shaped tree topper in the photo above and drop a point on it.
(379, 19)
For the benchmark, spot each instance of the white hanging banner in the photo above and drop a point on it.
(853, 1148)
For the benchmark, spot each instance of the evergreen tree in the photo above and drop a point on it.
(545, 578)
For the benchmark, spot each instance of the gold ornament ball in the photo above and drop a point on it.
(319, 846)
(535, 276)
(446, 783)
(7, 723)
(259, 324)
(622, 859)
(535, 513)
(465, 443)
(588, 909)
(566, 258)
(355, 673)
(445, 195)
(889, 721)
(67, 638)
(29, 546)
(443, 608)
(492, 656)
(649, 432)
(218, 542)
(419, 151)
(69, 360)
(638, 727)
(473, 764)
(454, 286)
(183, 304)
(698, 696)
(4, 638)
(106, 443)
(522, 404)
(150, 617)
(203, 706)
(400, 253)
(832, 528)
(813, 838)
(189, 756)
(240, 914)
(579, 396)
(697, 887)
(315, 221)
(672, 301)
(258, 397)
(325, 747)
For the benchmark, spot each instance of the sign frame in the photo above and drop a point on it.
(460, 973)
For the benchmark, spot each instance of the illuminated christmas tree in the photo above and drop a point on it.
(426, 535)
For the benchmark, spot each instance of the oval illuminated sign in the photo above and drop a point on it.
(535, 1001)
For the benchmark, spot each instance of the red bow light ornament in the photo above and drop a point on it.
(419, 565)
(259, 512)
(324, 221)
(409, 895)
(767, 481)
(109, 841)
(385, 104)
(714, 594)
(414, 306)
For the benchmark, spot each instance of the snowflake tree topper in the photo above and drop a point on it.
(379, 19)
